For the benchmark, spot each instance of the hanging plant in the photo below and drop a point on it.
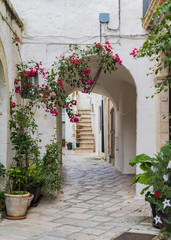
(72, 68)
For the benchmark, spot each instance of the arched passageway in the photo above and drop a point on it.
(120, 88)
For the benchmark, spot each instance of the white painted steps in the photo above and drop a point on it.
(86, 141)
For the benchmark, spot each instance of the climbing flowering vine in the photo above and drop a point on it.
(158, 44)
(72, 68)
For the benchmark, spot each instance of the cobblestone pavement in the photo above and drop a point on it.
(97, 204)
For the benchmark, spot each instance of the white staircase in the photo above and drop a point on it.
(86, 142)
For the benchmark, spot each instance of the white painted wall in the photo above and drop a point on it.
(96, 102)
(83, 101)
(9, 57)
(51, 25)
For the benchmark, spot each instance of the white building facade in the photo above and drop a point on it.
(49, 28)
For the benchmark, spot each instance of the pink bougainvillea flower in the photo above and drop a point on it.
(74, 102)
(16, 81)
(134, 52)
(13, 104)
(59, 82)
(17, 89)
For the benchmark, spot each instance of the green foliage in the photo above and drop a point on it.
(50, 168)
(17, 178)
(157, 176)
(2, 170)
(2, 200)
(23, 127)
(72, 68)
(158, 44)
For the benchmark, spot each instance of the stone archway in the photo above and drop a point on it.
(3, 116)
(4, 109)
(120, 88)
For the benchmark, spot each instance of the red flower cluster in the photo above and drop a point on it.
(74, 102)
(157, 194)
(74, 119)
(15, 39)
(134, 52)
(86, 71)
(53, 111)
(13, 104)
(17, 89)
(108, 47)
(117, 59)
(59, 82)
(74, 60)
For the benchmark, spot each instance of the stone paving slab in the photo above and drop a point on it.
(97, 204)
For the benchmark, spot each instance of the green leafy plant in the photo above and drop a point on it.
(17, 179)
(158, 44)
(2, 171)
(23, 127)
(2, 200)
(51, 168)
(157, 176)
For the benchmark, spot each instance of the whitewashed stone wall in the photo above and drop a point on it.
(49, 28)
(9, 57)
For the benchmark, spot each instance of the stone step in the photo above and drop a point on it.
(83, 128)
(86, 120)
(84, 150)
(81, 111)
(85, 116)
(82, 124)
(87, 139)
(86, 134)
(83, 141)
(87, 145)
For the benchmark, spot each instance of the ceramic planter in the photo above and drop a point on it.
(16, 205)
(77, 144)
(30, 198)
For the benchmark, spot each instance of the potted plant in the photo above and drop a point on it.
(77, 142)
(17, 201)
(78, 126)
(157, 176)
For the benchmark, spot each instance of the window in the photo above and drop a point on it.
(26, 90)
(146, 4)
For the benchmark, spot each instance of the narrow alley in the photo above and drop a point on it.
(97, 204)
